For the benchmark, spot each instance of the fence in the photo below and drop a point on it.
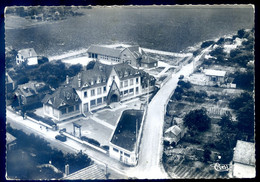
(216, 111)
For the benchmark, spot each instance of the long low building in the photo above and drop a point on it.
(124, 142)
(122, 53)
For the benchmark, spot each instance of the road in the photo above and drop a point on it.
(151, 148)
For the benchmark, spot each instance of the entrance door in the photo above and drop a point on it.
(85, 108)
(114, 98)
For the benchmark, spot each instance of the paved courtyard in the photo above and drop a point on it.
(101, 124)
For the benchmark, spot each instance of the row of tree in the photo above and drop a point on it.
(43, 154)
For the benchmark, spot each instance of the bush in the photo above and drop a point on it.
(197, 120)
(91, 141)
(39, 118)
(206, 44)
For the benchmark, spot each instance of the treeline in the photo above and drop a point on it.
(55, 11)
(241, 57)
(42, 153)
(51, 73)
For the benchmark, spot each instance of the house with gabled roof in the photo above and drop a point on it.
(173, 134)
(64, 103)
(121, 53)
(27, 55)
(105, 84)
(244, 161)
(31, 93)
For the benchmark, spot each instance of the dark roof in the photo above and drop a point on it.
(125, 133)
(101, 50)
(27, 53)
(88, 173)
(244, 153)
(148, 59)
(99, 75)
(32, 88)
(63, 96)
(135, 51)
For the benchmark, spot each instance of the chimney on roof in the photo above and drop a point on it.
(67, 79)
(30, 52)
(79, 80)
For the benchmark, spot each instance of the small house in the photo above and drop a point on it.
(173, 134)
(28, 56)
(31, 93)
(93, 172)
(215, 77)
(64, 103)
(244, 160)
(148, 62)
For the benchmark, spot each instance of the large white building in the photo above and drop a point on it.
(103, 85)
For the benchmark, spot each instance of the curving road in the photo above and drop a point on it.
(151, 148)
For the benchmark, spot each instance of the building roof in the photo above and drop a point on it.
(102, 50)
(125, 133)
(211, 72)
(32, 88)
(148, 60)
(174, 129)
(9, 138)
(88, 173)
(99, 75)
(63, 96)
(244, 153)
(27, 53)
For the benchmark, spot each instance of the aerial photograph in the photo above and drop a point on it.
(130, 92)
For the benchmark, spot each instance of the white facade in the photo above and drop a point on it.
(243, 171)
(96, 97)
(28, 55)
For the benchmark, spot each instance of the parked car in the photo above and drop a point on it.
(181, 77)
(62, 138)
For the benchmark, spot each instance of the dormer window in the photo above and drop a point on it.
(92, 82)
(98, 80)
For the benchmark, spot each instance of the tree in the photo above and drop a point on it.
(206, 154)
(91, 65)
(207, 44)
(197, 120)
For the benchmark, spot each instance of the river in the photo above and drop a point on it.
(164, 28)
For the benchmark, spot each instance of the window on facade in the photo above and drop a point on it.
(131, 81)
(137, 90)
(114, 77)
(85, 94)
(93, 102)
(125, 92)
(77, 107)
(125, 83)
(127, 155)
(104, 99)
(121, 84)
(116, 150)
(93, 92)
(137, 80)
(121, 93)
(104, 89)
(71, 109)
(131, 91)
(99, 100)
(63, 111)
(99, 91)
